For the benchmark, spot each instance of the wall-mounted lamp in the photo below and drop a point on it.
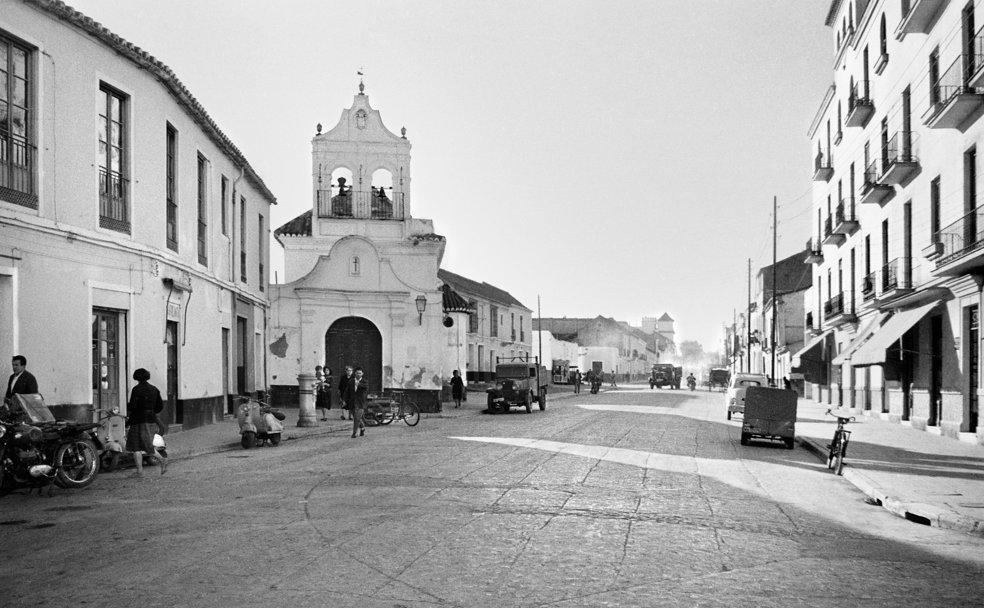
(421, 307)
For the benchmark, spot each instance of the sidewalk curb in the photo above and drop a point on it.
(913, 511)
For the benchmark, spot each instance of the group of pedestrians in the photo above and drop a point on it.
(352, 392)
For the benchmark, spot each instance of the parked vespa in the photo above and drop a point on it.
(37, 451)
(110, 438)
(259, 423)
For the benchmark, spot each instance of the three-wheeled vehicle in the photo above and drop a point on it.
(770, 413)
(518, 383)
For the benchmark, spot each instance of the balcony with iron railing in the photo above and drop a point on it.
(353, 204)
(830, 237)
(838, 310)
(17, 172)
(951, 99)
(975, 69)
(868, 284)
(823, 167)
(918, 16)
(114, 196)
(896, 278)
(900, 160)
(961, 244)
(814, 251)
(845, 220)
(872, 190)
(860, 106)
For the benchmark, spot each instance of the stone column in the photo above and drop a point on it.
(307, 415)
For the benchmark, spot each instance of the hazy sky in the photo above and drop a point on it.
(612, 157)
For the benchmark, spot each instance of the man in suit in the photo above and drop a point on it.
(341, 391)
(21, 382)
(356, 388)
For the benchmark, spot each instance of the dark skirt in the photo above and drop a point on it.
(140, 437)
(322, 399)
(456, 392)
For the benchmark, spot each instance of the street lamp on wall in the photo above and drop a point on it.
(421, 306)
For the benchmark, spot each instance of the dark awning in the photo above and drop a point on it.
(872, 352)
(453, 302)
(810, 361)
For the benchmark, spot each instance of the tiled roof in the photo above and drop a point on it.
(299, 226)
(453, 302)
(163, 74)
(482, 290)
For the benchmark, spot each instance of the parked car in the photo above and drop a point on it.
(734, 398)
(517, 384)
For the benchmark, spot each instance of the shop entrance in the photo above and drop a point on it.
(355, 341)
(106, 358)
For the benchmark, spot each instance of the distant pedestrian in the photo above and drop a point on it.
(142, 410)
(457, 387)
(611, 378)
(356, 388)
(786, 384)
(342, 382)
(577, 382)
(322, 395)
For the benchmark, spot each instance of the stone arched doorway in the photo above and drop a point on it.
(355, 341)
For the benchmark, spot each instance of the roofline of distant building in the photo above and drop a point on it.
(829, 97)
(832, 13)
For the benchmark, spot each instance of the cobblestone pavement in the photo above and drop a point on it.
(629, 498)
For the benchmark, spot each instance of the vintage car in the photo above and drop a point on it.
(518, 383)
(665, 374)
(735, 396)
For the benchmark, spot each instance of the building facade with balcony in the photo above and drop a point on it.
(358, 269)
(133, 230)
(499, 329)
(896, 289)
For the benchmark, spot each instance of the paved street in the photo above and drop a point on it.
(629, 498)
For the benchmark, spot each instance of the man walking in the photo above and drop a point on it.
(577, 382)
(342, 383)
(21, 382)
(356, 388)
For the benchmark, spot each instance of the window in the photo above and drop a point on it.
(473, 320)
(494, 318)
(934, 76)
(969, 33)
(225, 206)
(934, 210)
(202, 210)
(512, 326)
(259, 251)
(17, 151)
(114, 211)
(883, 37)
(522, 332)
(242, 239)
(170, 187)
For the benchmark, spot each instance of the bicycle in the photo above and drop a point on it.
(400, 408)
(838, 446)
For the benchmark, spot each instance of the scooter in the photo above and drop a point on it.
(595, 385)
(110, 439)
(259, 423)
(692, 383)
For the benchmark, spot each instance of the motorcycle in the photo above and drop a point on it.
(259, 423)
(37, 451)
(595, 385)
(692, 383)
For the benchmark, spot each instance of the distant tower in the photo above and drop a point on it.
(649, 324)
(664, 325)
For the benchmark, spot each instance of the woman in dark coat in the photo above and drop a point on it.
(457, 388)
(322, 395)
(144, 405)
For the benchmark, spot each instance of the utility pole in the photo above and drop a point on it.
(539, 334)
(775, 239)
(748, 322)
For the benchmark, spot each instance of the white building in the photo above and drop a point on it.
(132, 230)
(559, 356)
(360, 269)
(897, 250)
(499, 328)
